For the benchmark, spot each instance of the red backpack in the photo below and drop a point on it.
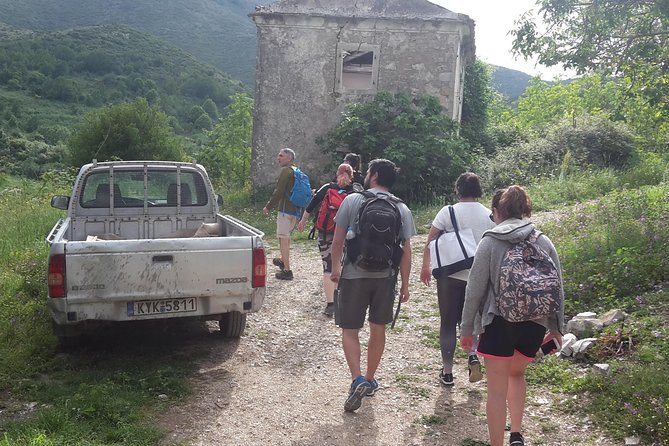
(329, 207)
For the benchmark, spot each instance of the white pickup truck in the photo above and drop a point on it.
(143, 240)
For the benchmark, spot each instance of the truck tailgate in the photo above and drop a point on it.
(157, 269)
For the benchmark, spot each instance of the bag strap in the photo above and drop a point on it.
(457, 232)
(436, 248)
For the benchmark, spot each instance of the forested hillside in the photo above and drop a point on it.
(96, 66)
(49, 81)
(510, 83)
(218, 32)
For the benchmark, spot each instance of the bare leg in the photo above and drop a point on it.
(284, 247)
(517, 391)
(377, 343)
(328, 287)
(351, 345)
(498, 382)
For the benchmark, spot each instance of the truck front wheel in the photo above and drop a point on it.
(232, 324)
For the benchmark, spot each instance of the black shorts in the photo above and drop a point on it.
(356, 295)
(501, 339)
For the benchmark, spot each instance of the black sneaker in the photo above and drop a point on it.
(474, 366)
(329, 310)
(516, 439)
(446, 378)
(284, 275)
(278, 262)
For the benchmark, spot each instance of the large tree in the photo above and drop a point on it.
(614, 36)
(227, 156)
(628, 39)
(413, 132)
(127, 131)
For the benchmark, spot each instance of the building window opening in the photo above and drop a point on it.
(357, 70)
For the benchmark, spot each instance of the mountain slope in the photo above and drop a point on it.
(82, 68)
(216, 31)
(511, 83)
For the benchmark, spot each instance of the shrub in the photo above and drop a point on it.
(613, 249)
(633, 399)
(411, 131)
(211, 109)
(128, 131)
(592, 141)
(521, 164)
(203, 122)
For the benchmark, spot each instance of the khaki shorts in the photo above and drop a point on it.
(285, 223)
(355, 296)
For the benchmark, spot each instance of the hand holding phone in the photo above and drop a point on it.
(551, 345)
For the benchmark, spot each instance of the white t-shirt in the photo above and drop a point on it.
(468, 214)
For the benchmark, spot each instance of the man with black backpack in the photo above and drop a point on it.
(376, 227)
(291, 195)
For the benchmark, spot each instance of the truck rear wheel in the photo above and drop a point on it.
(232, 324)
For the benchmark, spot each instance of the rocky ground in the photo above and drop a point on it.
(285, 381)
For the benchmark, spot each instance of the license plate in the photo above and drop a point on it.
(163, 306)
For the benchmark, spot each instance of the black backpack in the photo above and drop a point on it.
(377, 242)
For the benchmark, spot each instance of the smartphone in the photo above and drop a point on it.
(549, 346)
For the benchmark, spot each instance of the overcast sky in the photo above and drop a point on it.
(494, 19)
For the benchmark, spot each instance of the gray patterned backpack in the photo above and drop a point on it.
(529, 282)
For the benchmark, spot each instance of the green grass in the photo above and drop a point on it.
(94, 399)
(25, 332)
(429, 336)
(100, 400)
(431, 420)
(84, 398)
(407, 383)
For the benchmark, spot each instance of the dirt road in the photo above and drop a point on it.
(285, 381)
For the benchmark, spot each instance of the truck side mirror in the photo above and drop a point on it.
(60, 202)
(219, 200)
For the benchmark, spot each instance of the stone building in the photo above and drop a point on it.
(315, 56)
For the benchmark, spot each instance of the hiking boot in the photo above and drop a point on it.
(284, 275)
(446, 378)
(516, 439)
(474, 366)
(329, 310)
(373, 387)
(359, 389)
(278, 262)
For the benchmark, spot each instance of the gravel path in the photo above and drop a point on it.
(284, 382)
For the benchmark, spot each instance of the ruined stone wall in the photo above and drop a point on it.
(297, 94)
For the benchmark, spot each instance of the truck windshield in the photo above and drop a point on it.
(131, 188)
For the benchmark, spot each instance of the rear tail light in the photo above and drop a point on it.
(259, 268)
(56, 278)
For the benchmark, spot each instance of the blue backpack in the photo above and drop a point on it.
(300, 195)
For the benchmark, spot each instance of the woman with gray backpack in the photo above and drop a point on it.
(514, 302)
